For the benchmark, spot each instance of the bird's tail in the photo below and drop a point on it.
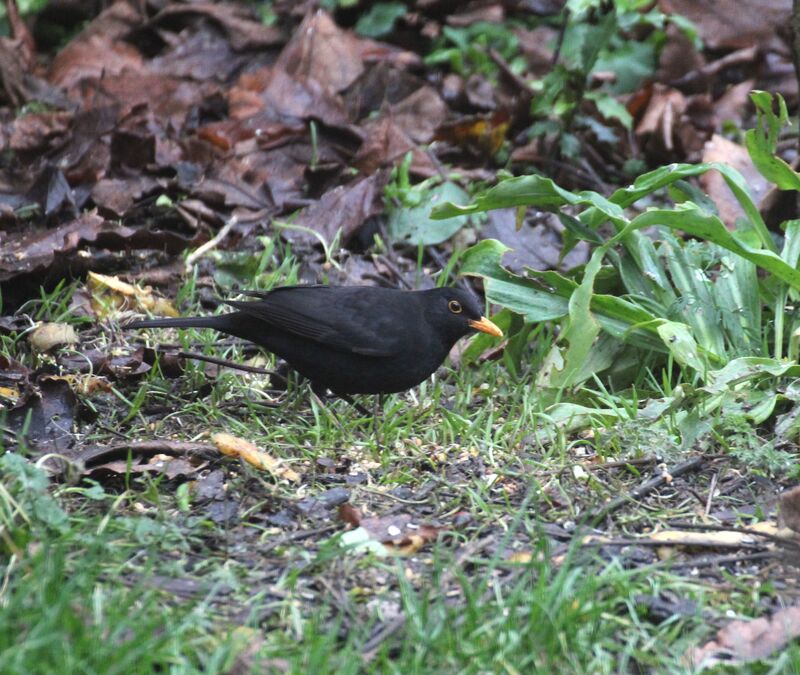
(181, 322)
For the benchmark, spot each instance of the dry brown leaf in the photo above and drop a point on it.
(397, 532)
(46, 336)
(733, 23)
(790, 508)
(232, 446)
(720, 149)
(743, 641)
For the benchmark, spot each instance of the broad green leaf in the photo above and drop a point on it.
(484, 259)
(790, 255)
(580, 333)
(632, 63)
(530, 190)
(413, 225)
(606, 352)
(697, 306)
(693, 221)
(736, 294)
(546, 296)
(762, 142)
(380, 19)
(523, 296)
(749, 368)
(760, 405)
(681, 343)
(791, 243)
(572, 417)
(666, 175)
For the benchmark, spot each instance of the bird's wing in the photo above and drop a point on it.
(339, 318)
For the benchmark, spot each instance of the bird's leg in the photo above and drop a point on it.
(377, 411)
(349, 399)
(377, 401)
(316, 397)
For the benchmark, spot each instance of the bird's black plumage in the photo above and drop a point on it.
(350, 339)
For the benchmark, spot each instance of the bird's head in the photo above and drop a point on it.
(456, 312)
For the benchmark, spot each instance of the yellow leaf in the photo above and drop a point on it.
(233, 446)
(110, 294)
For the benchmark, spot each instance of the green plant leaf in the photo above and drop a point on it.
(530, 190)
(695, 222)
(748, 369)
(415, 226)
(762, 142)
(563, 369)
(523, 296)
(380, 19)
(666, 175)
(683, 346)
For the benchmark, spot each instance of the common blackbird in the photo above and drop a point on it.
(350, 339)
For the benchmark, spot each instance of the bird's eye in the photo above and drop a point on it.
(454, 306)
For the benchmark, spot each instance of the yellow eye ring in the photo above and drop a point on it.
(454, 306)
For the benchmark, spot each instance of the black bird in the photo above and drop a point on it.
(350, 339)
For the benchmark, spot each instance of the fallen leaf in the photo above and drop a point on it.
(744, 641)
(110, 294)
(732, 23)
(46, 336)
(232, 446)
(790, 508)
(397, 532)
(343, 209)
(720, 149)
(483, 134)
(46, 414)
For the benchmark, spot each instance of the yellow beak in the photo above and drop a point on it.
(486, 326)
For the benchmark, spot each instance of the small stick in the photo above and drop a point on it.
(215, 241)
(715, 560)
(787, 541)
(646, 541)
(645, 488)
(231, 364)
(711, 489)
(643, 461)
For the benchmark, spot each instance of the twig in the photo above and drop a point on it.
(644, 461)
(711, 489)
(520, 82)
(94, 454)
(562, 31)
(394, 269)
(193, 257)
(715, 560)
(787, 541)
(647, 541)
(231, 364)
(645, 488)
(740, 56)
